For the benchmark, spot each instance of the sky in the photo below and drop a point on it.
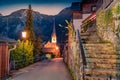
(50, 7)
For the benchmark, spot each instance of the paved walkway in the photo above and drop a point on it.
(53, 69)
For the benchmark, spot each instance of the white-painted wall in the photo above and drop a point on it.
(78, 22)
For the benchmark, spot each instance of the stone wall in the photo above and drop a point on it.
(108, 26)
(73, 58)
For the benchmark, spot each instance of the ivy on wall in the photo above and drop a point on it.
(109, 20)
(118, 8)
(105, 19)
(87, 25)
(100, 22)
(117, 12)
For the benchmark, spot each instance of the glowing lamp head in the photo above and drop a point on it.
(24, 34)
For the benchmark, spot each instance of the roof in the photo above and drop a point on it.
(8, 40)
(54, 29)
(89, 1)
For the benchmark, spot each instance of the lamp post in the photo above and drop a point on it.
(24, 33)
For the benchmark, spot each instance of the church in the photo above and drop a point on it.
(51, 46)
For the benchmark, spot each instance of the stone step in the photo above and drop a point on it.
(99, 48)
(98, 44)
(85, 34)
(103, 56)
(102, 52)
(102, 72)
(102, 61)
(84, 38)
(95, 60)
(103, 66)
(93, 77)
(114, 64)
(117, 63)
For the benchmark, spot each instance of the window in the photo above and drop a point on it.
(93, 8)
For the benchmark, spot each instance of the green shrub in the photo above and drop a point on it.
(23, 54)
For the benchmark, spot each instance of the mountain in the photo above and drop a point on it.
(12, 25)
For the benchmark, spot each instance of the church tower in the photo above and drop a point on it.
(52, 47)
(54, 38)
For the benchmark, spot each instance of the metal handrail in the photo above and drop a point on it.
(82, 48)
(82, 53)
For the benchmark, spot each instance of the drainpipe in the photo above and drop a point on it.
(9, 57)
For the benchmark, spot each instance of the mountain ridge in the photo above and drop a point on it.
(12, 25)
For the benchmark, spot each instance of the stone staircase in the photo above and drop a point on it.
(103, 63)
(85, 37)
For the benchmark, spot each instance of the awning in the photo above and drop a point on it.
(91, 17)
(8, 40)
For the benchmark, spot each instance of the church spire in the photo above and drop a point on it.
(30, 6)
(54, 39)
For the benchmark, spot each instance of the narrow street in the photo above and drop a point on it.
(54, 69)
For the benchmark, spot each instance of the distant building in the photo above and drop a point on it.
(82, 10)
(52, 47)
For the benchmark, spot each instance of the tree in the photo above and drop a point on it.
(69, 27)
(29, 26)
(38, 45)
(36, 41)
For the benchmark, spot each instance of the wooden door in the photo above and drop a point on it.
(3, 60)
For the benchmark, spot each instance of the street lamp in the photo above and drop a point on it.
(24, 33)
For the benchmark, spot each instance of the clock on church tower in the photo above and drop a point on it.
(54, 38)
